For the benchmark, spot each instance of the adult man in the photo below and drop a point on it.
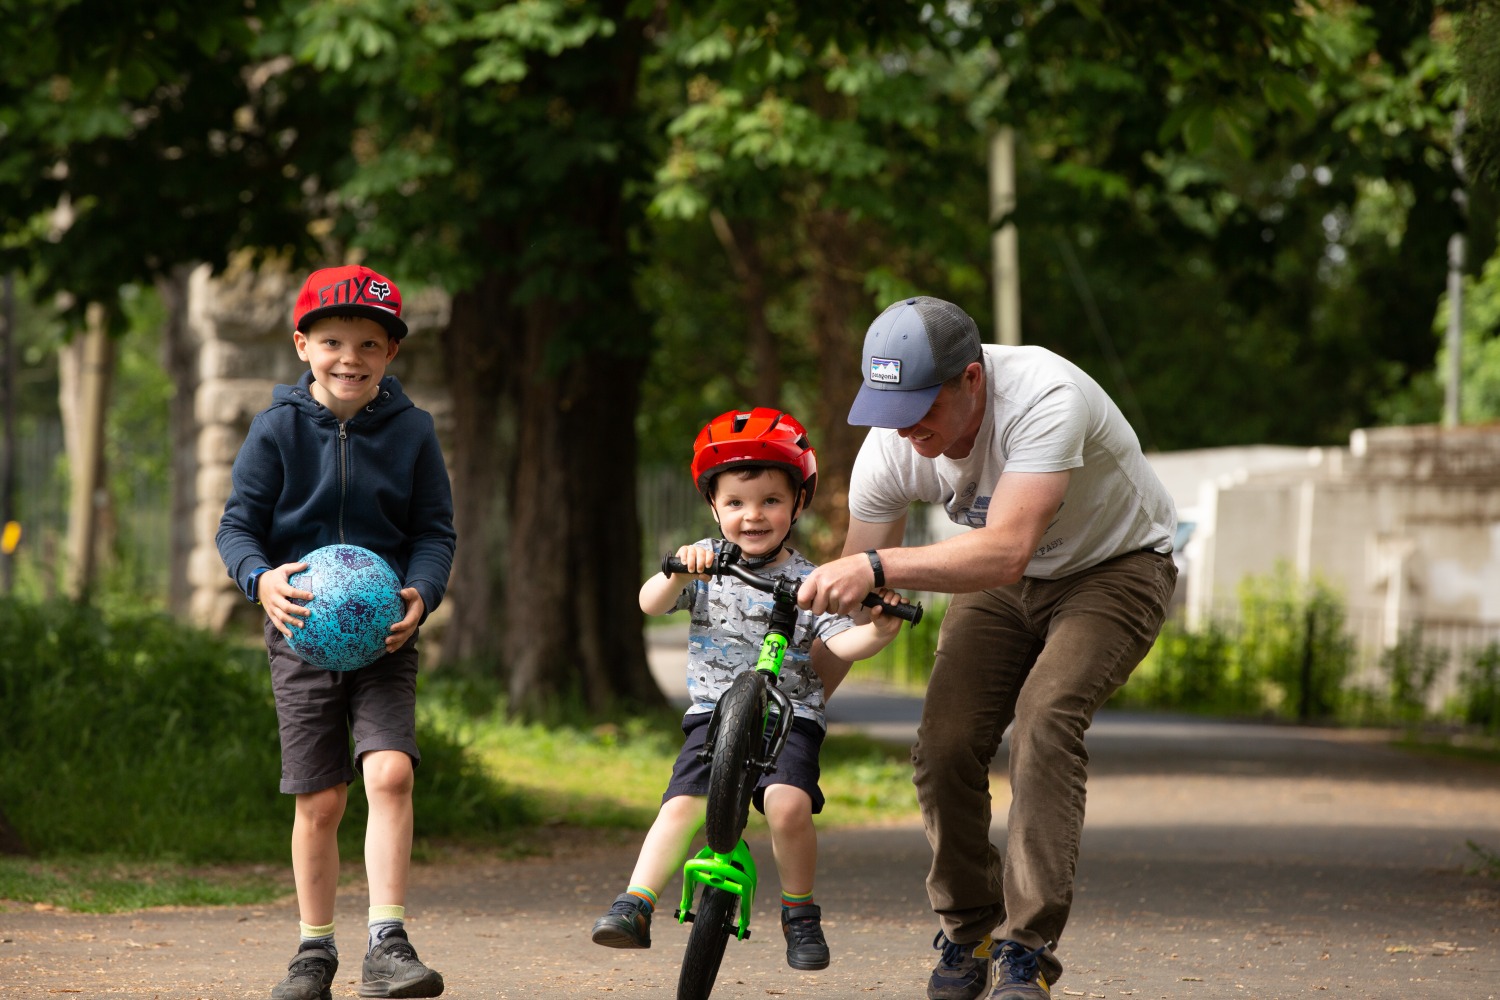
(1060, 589)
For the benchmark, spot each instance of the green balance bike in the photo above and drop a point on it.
(746, 734)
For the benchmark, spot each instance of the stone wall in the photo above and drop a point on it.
(1405, 524)
(241, 326)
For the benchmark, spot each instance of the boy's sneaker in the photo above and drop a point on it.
(626, 925)
(963, 971)
(308, 975)
(806, 948)
(1018, 974)
(392, 969)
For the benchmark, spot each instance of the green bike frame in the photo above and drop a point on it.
(735, 872)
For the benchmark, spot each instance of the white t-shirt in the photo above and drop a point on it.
(1043, 414)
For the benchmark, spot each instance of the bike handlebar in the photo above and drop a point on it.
(671, 564)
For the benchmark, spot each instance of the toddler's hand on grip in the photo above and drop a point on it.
(697, 560)
(887, 624)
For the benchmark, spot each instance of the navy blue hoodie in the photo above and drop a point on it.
(302, 480)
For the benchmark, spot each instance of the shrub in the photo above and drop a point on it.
(908, 658)
(1479, 689)
(1293, 645)
(1186, 670)
(134, 734)
(1411, 668)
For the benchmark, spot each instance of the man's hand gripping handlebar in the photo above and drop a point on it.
(726, 560)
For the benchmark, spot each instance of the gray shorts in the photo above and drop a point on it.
(321, 711)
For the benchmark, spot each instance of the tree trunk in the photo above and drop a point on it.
(84, 374)
(841, 314)
(573, 631)
(478, 340)
(575, 557)
(743, 251)
(180, 359)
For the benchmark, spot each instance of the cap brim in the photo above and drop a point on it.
(895, 408)
(394, 325)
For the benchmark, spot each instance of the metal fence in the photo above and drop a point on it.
(1427, 662)
(136, 529)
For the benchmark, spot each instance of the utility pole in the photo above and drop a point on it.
(1457, 247)
(10, 528)
(1004, 250)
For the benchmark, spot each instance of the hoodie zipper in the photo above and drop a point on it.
(343, 473)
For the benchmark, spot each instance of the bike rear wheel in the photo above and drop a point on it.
(731, 782)
(712, 926)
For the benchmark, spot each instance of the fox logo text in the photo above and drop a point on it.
(356, 291)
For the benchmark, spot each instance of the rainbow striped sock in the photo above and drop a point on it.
(792, 900)
(645, 893)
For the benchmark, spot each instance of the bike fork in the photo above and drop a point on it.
(733, 872)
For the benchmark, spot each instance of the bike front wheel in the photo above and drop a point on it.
(731, 782)
(712, 925)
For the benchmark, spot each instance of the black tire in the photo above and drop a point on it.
(712, 925)
(731, 785)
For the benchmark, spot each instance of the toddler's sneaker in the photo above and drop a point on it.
(309, 975)
(392, 969)
(806, 948)
(962, 971)
(626, 925)
(1018, 974)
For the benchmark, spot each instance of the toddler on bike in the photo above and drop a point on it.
(757, 471)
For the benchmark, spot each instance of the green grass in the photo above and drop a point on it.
(1485, 749)
(140, 763)
(604, 777)
(101, 884)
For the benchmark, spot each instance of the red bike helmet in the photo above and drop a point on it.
(762, 437)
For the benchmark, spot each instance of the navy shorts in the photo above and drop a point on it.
(797, 766)
(321, 711)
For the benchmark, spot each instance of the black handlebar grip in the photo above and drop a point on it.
(671, 564)
(908, 612)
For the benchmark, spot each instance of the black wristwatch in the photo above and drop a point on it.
(252, 589)
(877, 567)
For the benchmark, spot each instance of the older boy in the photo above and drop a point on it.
(344, 456)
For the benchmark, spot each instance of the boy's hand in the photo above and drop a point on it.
(886, 625)
(276, 594)
(401, 632)
(697, 559)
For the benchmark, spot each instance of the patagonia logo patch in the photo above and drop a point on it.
(886, 370)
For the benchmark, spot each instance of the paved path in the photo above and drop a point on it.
(1219, 860)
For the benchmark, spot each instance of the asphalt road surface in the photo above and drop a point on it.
(1219, 860)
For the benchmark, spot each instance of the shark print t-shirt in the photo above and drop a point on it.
(727, 622)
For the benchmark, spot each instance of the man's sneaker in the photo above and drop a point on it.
(1018, 974)
(963, 971)
(392, 969)
(308, 975)
(626, 925)
(806, 948)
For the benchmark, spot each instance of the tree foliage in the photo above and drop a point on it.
(134, 137)
(1257, 196)
(1233, 215)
